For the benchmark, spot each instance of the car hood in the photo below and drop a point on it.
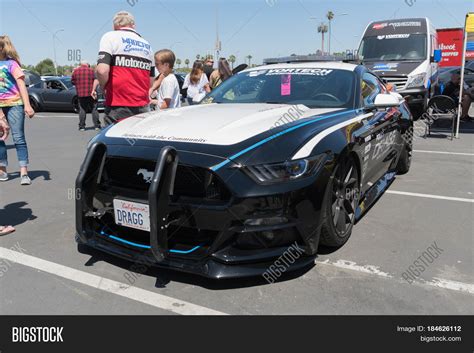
(211, 124)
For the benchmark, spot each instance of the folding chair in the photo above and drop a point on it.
(443, 107)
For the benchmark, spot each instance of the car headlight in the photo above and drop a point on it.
(285, 171)
(416, 80)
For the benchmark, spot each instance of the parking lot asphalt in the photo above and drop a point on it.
(42, 271)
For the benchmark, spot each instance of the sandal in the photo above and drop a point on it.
(4, 230)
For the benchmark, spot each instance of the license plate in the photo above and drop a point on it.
(132, 214)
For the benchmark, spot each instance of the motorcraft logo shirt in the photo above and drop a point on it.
(130, 58)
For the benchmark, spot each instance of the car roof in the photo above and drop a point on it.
(336, 65)
(60, 78)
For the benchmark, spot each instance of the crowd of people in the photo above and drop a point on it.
(125, 72)
(135, 80)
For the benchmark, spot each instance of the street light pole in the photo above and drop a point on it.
(330, 15)
(218, 45)
(314, 18)
(329, 39)
(54, 49)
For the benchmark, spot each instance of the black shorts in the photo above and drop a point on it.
(112, 114)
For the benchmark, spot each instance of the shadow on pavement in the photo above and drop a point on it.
(34, 174)
(165, 276)
(16, 214)
(442, 128)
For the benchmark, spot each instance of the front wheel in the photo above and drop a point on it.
(75, 105)
(340, 203)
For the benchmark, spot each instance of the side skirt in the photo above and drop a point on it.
(373, 194)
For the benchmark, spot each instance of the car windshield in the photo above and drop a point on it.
(67, 82)
(313, 87)
(398, 47)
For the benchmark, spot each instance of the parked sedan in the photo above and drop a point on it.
(56, 94)
(275, 159)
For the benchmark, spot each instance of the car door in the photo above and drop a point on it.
(56, 95)
(381, 133)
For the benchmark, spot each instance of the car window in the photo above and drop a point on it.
(385, 48)
(313, 87)
(66, 81)
(53, 84)
(370, 87)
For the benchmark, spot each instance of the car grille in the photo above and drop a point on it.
(398, 81)
(190, 181)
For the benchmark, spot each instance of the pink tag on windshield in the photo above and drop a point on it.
(286, 85)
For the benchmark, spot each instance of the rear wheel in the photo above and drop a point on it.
(404, 162)
(75, 105)
(340, 203)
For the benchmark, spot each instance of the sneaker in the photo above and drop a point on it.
(82, 129)
(25, 180)
(3, 176)
(97, 128)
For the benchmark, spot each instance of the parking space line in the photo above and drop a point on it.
(452, 285)
(429, 196)
(124, 290)
(375, 271)
(444, 152)
(350, 265)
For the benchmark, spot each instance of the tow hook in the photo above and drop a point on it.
(99, 213)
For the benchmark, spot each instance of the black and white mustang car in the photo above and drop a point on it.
(277, 156)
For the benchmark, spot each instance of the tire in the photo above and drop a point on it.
(339, 205)
(75, 105)
(404, 162)
(417, 112)
(34, 104)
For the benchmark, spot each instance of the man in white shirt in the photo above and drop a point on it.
(124, 69)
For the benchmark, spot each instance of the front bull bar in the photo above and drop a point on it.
(159, 194)
(159, 198)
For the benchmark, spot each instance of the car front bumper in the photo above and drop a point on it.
(236, 238)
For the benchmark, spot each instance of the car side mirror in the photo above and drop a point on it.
(384, 100)
(437, 56)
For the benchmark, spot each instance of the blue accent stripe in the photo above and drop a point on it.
(258, 144)
(129, 242)
(185, 251)
(148, 246)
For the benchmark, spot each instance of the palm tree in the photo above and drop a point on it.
(322, 28)
(232, 60)
(178, 62)
(186, 62)
(250, 58)
(329, 16)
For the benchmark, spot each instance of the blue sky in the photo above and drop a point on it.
(262, 28)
